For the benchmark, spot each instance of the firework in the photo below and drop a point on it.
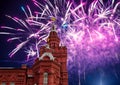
(90, 31)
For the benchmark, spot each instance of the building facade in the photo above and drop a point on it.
(49, 69)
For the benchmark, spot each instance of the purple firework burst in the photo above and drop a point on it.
(90, 32)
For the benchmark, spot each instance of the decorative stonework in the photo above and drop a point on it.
(48, 54)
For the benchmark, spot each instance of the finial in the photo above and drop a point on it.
(53, 28)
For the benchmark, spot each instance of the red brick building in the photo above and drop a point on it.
(49, 69)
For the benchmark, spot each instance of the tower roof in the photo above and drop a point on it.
(53, 28)
(53, 32)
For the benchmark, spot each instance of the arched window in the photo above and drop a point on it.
(12, 83)
(45, 79)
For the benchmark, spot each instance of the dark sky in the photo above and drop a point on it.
(109, 75)
(13, 8)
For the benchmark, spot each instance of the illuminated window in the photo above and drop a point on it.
(12, 83)
(3, 83)
(45, 81)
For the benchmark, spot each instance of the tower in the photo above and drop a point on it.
(50, 68)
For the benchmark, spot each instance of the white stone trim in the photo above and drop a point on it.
(47, 54)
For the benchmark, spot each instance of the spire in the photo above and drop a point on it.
(53, 28)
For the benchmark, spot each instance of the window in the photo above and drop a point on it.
(12, 83)
(3, 83)
(45, 80)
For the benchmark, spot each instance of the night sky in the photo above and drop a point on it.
(13, 8)
(109, 75)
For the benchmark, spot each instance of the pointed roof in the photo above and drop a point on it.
(53, 28)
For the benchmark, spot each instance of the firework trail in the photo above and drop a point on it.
(90, 31)
(94, 35)
(26, 34)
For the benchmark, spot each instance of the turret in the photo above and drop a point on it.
(53, 39)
